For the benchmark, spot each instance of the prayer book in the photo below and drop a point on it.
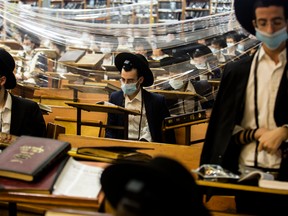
(43, 185)
(79, 179)
(110, 154)
(28, 158)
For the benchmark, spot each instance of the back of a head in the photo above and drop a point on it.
(162, 187)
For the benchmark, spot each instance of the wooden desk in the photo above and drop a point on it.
(24, 90)
(189, 156)
(95, 87)
(229, 188)
(47, 201)
(177, 94)
(102, 108)
(187, 130)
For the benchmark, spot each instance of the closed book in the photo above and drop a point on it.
(112, 154)
(43, 185)
(30, 157)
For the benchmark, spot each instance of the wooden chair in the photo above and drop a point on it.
(53, 130)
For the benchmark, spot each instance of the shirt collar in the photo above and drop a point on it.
(282, 55)
(137, 97)
(8, 103)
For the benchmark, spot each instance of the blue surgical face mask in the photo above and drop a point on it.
(240, 48)
(230, 44)
(129, 89)
(272, 41)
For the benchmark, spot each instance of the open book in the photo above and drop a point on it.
(273, 184)
(106, 103)
(254, 177)
(79, 179)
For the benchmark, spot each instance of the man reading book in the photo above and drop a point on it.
(18, 116)
(136, 74)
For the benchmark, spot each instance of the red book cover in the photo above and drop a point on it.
(30, 157)
(43, 185)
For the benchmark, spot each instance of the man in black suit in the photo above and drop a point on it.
(136, 74)
(18, 116)
(248, 124)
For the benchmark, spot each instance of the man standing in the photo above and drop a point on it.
(136, 74)
(254, 92)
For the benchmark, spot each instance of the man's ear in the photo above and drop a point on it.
(2, 80)
(141, 80)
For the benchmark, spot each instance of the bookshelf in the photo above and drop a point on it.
(169, 10)
(221, 6)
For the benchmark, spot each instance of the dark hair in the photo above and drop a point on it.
(232, 36)
(219, 41)
(267, 3)
(33, 38)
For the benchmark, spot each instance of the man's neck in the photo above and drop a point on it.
(131, 97)
(274, 54)
(3, 97)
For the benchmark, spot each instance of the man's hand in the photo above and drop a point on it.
(270, 140)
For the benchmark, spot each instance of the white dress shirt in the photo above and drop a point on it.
(269, 76)
(137, 131)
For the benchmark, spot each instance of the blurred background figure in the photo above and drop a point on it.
(161, 187)
(232, 42)
(108, 46)
(143, 47)
(206, 63)
(217, 46)
(123, 44)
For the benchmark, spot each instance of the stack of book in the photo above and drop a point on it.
(32, 164)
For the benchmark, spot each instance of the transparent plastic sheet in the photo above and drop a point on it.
(214, 172)
(88, 29)
(65, 26)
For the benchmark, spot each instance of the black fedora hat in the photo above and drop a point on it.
(139, 62)
(7, 65)
(244, 11)
(164, 182)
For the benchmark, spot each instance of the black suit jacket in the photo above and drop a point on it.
(156, 111)
(227, 111)
(26, 118)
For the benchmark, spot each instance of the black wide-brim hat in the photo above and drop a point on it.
(244, 11)
(139, 62)
(7, 65)
(170, 184)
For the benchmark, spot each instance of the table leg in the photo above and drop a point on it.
(12, 207)
(187, 135)
(78, 121)
(125, 126)
(75, 95)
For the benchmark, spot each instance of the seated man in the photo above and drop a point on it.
(161, 187)
(19, 116)
(136, 74)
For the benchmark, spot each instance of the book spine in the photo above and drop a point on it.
(61, 155)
